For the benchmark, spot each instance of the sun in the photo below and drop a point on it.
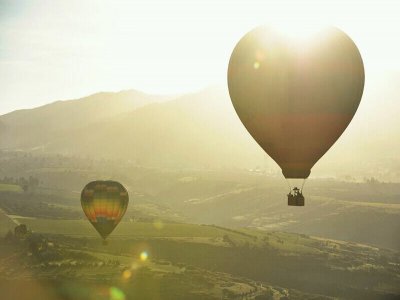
(298, 31)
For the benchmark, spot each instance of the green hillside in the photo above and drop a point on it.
(10, 188)
(207, 261)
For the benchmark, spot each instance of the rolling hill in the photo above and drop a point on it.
(38, 127)
(195, 130)
(199, 130)
(187, 261)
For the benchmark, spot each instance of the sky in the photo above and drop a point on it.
(54, 50)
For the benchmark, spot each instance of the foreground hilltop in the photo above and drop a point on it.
(181, 261)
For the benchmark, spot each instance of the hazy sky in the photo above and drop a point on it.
(52, 50)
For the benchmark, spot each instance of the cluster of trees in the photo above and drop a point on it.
(21, 232)
(371, 180)
(27, 184)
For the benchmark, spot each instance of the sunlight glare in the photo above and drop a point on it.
(126, 274)
(256, 65)
(299, 32)
(116, 294)
(143, 256)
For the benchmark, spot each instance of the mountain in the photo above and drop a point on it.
(191, 131)
(32, 128)
(201, 130)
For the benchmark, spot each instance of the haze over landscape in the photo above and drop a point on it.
(208, 217)
(181, 164)
(202, 125)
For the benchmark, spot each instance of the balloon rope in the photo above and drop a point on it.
(304, 181)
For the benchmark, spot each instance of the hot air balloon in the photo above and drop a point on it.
(295, 97)
(104, 204)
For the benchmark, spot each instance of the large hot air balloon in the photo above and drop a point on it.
(295, 97)
(104, 203)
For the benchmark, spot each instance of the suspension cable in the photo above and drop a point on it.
(304, 181)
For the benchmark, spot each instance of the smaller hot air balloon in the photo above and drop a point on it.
(104, 204)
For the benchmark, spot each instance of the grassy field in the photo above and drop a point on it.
(124, 229)
(189, 261)
(10, 188)
(297, 244)
(209, 234)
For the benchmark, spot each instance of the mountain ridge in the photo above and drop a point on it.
(197, 130)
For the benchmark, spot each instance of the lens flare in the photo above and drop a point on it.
(143, 256)
(126, 274)
(116, 294)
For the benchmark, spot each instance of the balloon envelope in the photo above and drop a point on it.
(104, 203)
(294, 98)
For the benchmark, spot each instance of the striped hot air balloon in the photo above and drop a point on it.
(104, 203)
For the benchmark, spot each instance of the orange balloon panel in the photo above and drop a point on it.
(295, 98)
(104, 203)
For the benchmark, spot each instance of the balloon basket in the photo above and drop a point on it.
(105, 243)
(295, 200)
